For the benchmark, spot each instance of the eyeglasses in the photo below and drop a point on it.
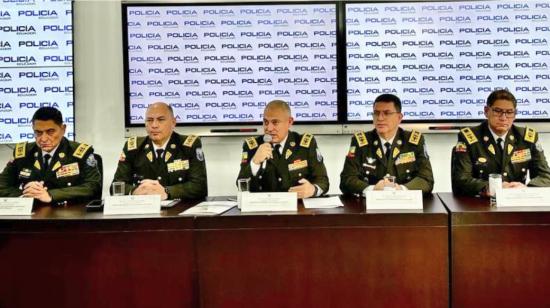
(510, 113)
(385, 113)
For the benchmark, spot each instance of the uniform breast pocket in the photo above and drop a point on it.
(298, 170)
(68, 181)
(68, 175)
(406, 172)
(369, 173)
(177, 176)
(520, 170)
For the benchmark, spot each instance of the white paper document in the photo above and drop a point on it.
(209, 208)
(394, 200)
(16, 206)
(322, 203)
(269, 202)
(523, 197)
(133, 205)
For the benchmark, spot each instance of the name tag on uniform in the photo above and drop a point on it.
(25, 173)
(297, 165)
(405, 158)
(521, 156)
(67, 170)
(178, 165)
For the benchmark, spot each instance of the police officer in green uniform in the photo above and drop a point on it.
(52, 169)
(283, 160)
(163, 163)
(498, 146)
(386, 150)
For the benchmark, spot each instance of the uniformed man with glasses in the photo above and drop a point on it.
(498, 146)
(386, 151)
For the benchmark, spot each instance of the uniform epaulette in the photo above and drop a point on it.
(251, 142)
(306, 140)
(469, 135)
(81, 150)
(20, 150)
(189, 141)
(530, 135)
(132, 143)
(415, 137)
(361, 139)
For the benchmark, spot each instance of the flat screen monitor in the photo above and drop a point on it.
(36, 65)
(220, 64)
(444, 58)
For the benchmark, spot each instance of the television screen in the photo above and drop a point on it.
(221, 64)
(444, 58)
(36, 65)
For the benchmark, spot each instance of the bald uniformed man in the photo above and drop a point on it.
(288, 162)
(498, 146)
(164, 163)
(386, 150)
(52, 169)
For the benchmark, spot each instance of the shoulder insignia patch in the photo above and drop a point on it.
(460, 147)
(530, 135)
(251, 142)
(132, 143)
(469, 135)
(189, 141)
(82, 148)
(20, 150)
(361, 139)
(415, 137)
(306, 140)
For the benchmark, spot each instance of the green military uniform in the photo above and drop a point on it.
(182, 171)
(72, 173)
(476, 155)
(300, 159)
(366, 163)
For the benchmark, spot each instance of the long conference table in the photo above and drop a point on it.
(499, 257)
(456, 252)
(67, 257)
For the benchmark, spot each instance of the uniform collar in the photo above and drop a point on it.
(495, 136)
(52, 152)
(163, 147)
(282, 143)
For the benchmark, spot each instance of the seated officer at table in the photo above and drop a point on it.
(283, 160)
(498, 146)
(164, 163)
(386, 150)
(52, 169)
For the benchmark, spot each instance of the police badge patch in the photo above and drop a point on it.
(538, 145)
(200, 154)
(91, 161)
(319, 156)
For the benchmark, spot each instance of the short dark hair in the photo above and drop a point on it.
(389, 98)
(48, 113)
(501, 94)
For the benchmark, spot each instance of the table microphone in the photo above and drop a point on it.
(267, 139)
